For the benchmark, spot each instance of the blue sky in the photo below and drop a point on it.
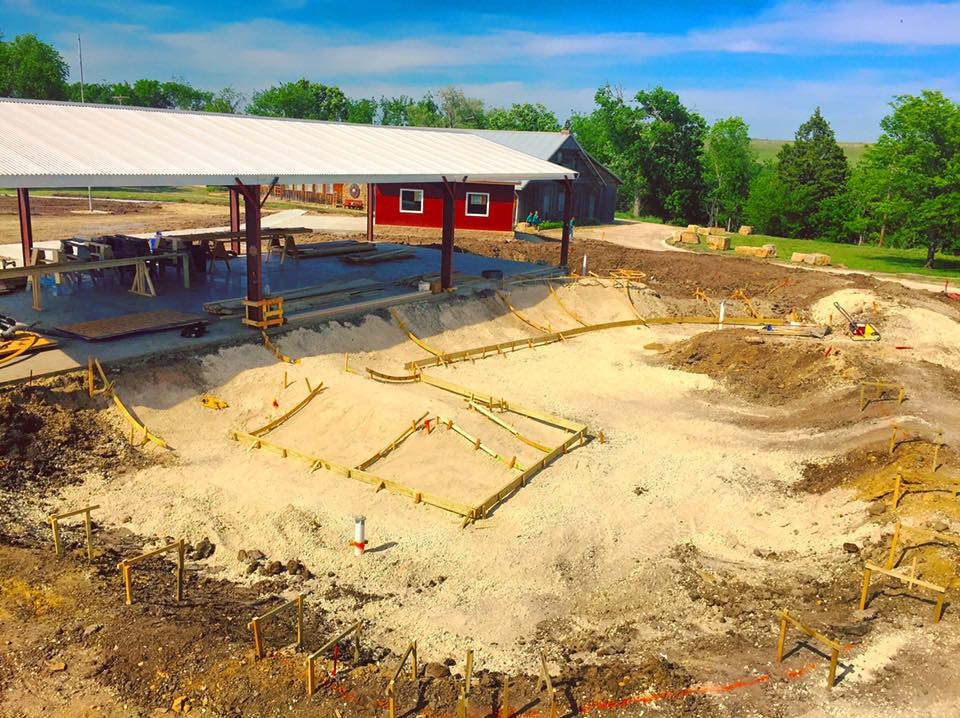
(770, 63)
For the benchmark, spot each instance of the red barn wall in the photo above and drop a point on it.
(500, 218)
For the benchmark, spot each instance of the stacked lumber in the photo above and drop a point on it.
(719, 243)
(815, 258)
(745, 230)
(380, 255)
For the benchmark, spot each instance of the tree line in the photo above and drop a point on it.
(905, 192)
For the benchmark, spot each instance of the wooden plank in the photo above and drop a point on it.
(529, 322)
(317, 462)
(67, 267)
(270, 426)
(835, 645)
(138, 425)
(906, 578)
(500, 403)
(483, 508)
(505, 425)
(514, 344)
(129, 324)
(395, 443)
(413, 337)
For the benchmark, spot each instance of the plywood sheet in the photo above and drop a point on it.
(128, 324)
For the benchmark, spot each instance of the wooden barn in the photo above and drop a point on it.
(498, 207)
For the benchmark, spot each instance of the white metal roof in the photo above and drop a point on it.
(539, 144)
(58, 144)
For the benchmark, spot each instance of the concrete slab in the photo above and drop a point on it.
(109, 296)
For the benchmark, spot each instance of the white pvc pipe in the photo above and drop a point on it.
(723, 313)
(583, 272)
(359, 540)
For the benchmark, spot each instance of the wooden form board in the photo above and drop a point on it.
(441, 358)
(578, 435)
(128, 324)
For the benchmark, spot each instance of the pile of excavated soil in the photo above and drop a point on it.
(763, 370)
(50, 437)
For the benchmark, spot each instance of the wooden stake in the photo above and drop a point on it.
(56, 536)
(867, 573)
(469, 671)
(505, 698)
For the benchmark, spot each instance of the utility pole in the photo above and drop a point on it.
(80, 52)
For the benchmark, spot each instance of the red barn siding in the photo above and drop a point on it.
(500, 218)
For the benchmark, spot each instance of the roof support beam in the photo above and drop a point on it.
(251, 210)
(446, 247)
(235, 219)
(26, 226)
(567, 216)
(371, 191)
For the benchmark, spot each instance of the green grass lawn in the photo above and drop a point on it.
(865, 257)
(767, 149)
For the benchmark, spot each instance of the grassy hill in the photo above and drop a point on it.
(767, 149)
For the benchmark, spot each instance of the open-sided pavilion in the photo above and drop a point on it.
(53, 144)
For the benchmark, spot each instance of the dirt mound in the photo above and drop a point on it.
(758, 369)
(49, 438)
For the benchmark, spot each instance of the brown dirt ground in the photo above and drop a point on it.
(50, 437)
(60, 219)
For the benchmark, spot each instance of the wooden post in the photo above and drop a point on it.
(863, 389)
(300, 622)
(87, 524)
(936, 451)
(505, 698)
(446, 247)
(391, 700)
(90, 376)
(55, 525)
(26, 228)
(834, 656)
(938, 609)
(462, 704)
(180, 576)
(783, 638)
(896, 491)
(893, 546)
(468, 673)
(893, 439)
(866, 588)
(311, 677)
(257, 639)
(128, 588)
(567, 216)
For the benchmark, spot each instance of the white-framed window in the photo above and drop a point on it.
(411, 200)
(477, 204)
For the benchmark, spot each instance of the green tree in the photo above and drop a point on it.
(812, 169)
(918, 157)
(227, 101)
(525, 116)
(653, 145)
(394, 110)
(728, 167)
(362, 111)
(32, 69)
(425, 112)
(458, 110)
(763, 209)
(302, 99)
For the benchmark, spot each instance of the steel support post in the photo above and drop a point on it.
(371, 191)
(251, 211)
(235, 219)
(446, 250)
(26, 227)
(567, 215)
